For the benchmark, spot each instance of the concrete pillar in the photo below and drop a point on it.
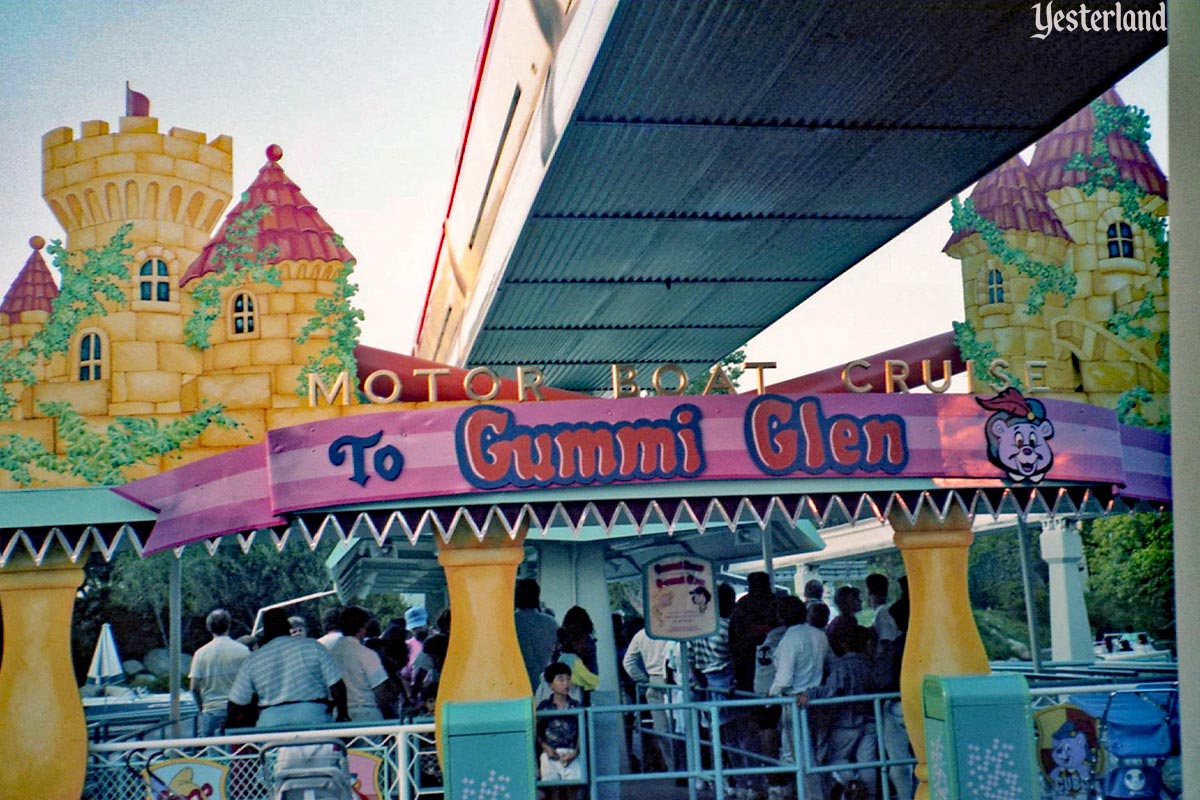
(1070, 633)
(572, 574)
(38, 696)
(942, 637)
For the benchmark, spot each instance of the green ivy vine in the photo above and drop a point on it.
(1129, 410)
(89, 279)
(1102, 171)
(100, 457)
(980, 353)
(1047, 278)
(341, 320)
(240, 262)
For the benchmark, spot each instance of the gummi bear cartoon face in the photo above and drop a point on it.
(1070, 750)
(1017, 435)
(1021, 447)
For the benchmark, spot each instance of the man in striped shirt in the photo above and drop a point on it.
(295, 680)
(711, 661)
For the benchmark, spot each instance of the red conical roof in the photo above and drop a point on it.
(1075, 136)
(292, 224)
(1012, 197)
(34, 288)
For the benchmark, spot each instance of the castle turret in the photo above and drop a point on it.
(995, 294)
(1113, 258)
(1044, 212)
(172, 187)
(255, 360)
(28, 301)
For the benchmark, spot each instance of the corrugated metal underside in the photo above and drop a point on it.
(727, 160)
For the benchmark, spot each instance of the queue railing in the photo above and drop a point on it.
(704, 744)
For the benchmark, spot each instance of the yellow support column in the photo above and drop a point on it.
(43, 747)
(942, 637)
(484, 661)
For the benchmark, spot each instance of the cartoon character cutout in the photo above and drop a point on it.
(1018, 435)
(187, 779)
(1069, 750)
(1071, 775)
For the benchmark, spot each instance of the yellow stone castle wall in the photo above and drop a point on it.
(1084, 361)
(174, 188)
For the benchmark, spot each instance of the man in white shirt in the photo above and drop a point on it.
(369, 693)
(799, 666)
(214, 667)
(877, 597)
(647, 661)
(331, 625)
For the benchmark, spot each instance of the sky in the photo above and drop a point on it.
(368, 101)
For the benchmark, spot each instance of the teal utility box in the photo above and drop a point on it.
(488, 750)
(979, 738)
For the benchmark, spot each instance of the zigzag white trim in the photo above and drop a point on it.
(822, 510)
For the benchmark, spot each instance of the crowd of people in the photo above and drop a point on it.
(768, 643)
(354, 672)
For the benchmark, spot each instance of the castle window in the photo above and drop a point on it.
(91, 357)
(1120, 240)
(155, 282)
(995, 286)
(243, 316)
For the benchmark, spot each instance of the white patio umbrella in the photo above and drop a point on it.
(106, 668)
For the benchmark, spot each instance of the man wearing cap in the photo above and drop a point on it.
(416, 619)
(295, 679)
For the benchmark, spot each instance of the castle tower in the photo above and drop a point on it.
(172, 188)
(1113, 260)
(1043, 212)
(995, 294)
(27, 303)
(254, 363)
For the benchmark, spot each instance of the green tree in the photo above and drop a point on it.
(732, 364)
(1131, 573)
(241, 583)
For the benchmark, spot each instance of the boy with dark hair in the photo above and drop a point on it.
(558, 736)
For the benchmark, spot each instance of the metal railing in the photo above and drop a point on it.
(705, 744)
(388, 756)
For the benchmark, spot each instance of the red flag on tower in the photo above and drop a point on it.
(136, 103)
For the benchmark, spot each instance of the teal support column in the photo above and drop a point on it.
(572, 574)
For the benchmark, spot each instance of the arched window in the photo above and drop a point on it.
(995, 286)
(242, 315)
(155, 282)
(1120, 240)
(91, 357)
